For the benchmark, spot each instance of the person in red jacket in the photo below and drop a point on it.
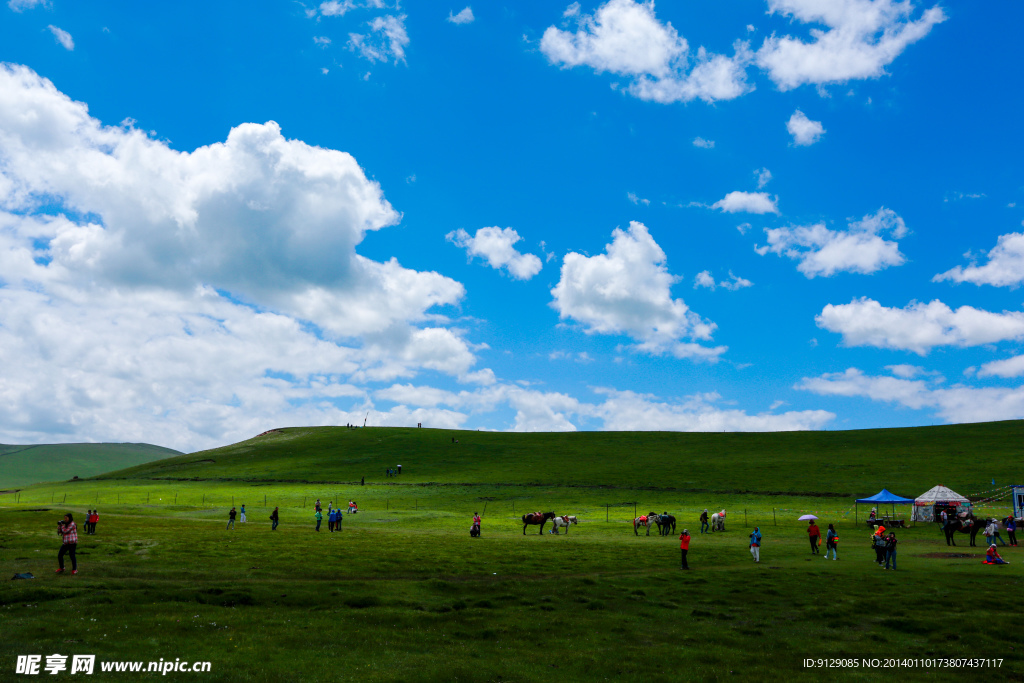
(684, 546)
(815, 534)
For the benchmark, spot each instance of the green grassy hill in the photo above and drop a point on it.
(25, 465)
(906, 461)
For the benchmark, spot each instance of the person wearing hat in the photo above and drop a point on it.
(992, 556)
(684, 546)
(704, 526)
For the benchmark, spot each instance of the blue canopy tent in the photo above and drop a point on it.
(883, 497)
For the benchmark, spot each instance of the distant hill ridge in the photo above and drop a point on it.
(907, 461)
(22, 465)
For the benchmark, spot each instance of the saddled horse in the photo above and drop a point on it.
(666, 524)
(536, 518)
(718, 521)
(563, 521)
(644, 520)
(969, 525)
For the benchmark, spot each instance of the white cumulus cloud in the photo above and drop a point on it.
(706, 280)
(918, 327)
(702, 143)
(953, 404)
(188, 298)
(463, 17)
(627, 290)
(1005, 267)
(804, 131)
(1007, 367)
(860, 39)
(747, 202)
(495, 245)
(859, 249)
(625, 37)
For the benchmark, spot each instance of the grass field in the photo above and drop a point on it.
(26, 465)
(403, 593)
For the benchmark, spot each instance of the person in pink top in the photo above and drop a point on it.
(815, 535)
(68, 531)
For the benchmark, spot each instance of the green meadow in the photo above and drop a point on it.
(403, 594)
(25, 465)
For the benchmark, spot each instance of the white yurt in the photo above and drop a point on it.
(930, 504)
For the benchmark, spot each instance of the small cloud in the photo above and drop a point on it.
(764, 176)
(813, 342)
(324, 70)
(22, 5)
(747, 202)
(637, 200)
(62, 37)
(572, 10)
(704, 279)
(463, 17)
(750, 28)
(743, 227)
(322, 41)
(411, 179)
(805, 132)
(702, 143)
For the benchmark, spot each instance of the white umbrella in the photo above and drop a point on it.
(806, 517)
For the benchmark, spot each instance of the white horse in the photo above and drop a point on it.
(564, 520)
(718, 521)
(645, 520)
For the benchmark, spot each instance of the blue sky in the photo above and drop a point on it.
(792, 214)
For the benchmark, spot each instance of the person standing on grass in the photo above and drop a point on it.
(815, 535)
(1011, 529)
(684, 546)
(890, 550)
(243, 513)
(831, 538)
(755, 543)
(319, 518)
(318, 506)
(231, 520)
(68, 532)
(704, 526)
(995, 532)
(92, 521)
(274, 520)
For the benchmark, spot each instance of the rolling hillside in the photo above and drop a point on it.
(25, 465)
(907, 461)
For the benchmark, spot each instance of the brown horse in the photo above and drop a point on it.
(536, 518)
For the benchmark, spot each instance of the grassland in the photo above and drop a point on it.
(26, 465)
(403, 593)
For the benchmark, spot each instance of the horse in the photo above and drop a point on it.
(959, 524)
(645, 520)
(665, 523)
(718, 521)
(536, 518)
(564, 520)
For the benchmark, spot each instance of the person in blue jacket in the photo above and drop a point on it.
(831, 540)
(755, 544)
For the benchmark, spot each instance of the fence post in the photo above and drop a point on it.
(606, 512)
(264, 500)
(175, 497)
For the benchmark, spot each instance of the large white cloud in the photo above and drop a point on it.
(627, 290)
(187, 297)
(860, 249)
(747, 202)
(625, 37)
(1005, 267)
(496, 246)
(919, 327)
(861, 38)
(1007, 367)
(953, 404)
